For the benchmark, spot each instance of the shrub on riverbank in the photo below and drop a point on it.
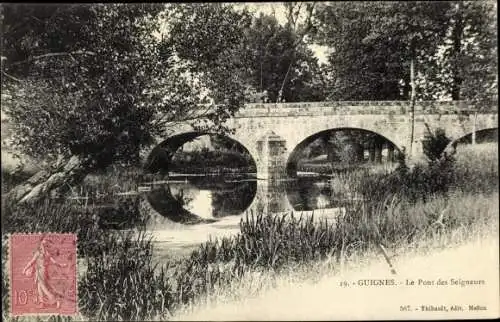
(211, 161)
(472, 169)
(477, 168)
(343, 168)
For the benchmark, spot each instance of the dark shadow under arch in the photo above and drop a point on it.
(291, 165)
(482, 136)
(161, 156)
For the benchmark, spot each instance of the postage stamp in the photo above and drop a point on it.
(43, 274)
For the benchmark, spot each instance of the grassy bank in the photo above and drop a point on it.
(336, 168)
(436, 205)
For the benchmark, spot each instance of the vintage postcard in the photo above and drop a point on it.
(250, 161)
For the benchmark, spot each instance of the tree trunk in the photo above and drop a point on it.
(378, 150)
(412, 103)
(474, 129)
(44, 182)
(359, 152)
(378, 154)
(457, 48)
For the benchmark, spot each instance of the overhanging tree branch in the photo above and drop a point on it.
(70, 54)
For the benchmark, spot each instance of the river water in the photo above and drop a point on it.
(220, 202)
(216, 197)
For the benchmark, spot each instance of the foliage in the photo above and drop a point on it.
(270, 51)
(73, 72)
(434, 144)
(88, 222)
(374, 42)
(345, 145)
(206, 38)
(208, 160)
(418, 184)
(476, 168)
(101, 80)
(224, 154)
(468, 66)
(264, 55)
(10, 179)
(142, 292)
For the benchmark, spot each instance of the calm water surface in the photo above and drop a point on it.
(222, 201)
(215, 197)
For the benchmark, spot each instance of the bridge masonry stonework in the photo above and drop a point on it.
(271, 132)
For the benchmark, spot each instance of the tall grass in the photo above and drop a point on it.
(122, 283)
(443, 202)
(114, 179)
(275, 243)
(477, 168)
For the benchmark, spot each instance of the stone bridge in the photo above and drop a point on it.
(273, 133)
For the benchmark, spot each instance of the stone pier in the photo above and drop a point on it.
(271, 157)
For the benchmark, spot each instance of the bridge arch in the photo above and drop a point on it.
(295, 154)
(162, 153)
(481, 134)
(467, 137)
(168, 200)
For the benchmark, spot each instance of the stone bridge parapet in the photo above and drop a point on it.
(296, 123)
(362, 108)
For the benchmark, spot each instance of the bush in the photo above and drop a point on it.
(476, 169)
(204, 160)
(418, 184)
(434, 144)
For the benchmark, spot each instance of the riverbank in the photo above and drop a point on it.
(327, 297)
(412, 209)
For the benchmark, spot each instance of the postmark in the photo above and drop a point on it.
(42, 274)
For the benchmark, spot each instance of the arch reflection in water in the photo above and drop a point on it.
(202, 198)
(311, 193)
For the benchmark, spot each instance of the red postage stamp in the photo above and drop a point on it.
(42, 274)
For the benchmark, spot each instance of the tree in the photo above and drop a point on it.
(411, 50)
(451, 46)
(274, 52)
(90, 85)
(261, 52)
(434, 144)
(468, 63)
(207, 37)
(374, 44)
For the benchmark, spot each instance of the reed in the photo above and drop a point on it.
(436, 204)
